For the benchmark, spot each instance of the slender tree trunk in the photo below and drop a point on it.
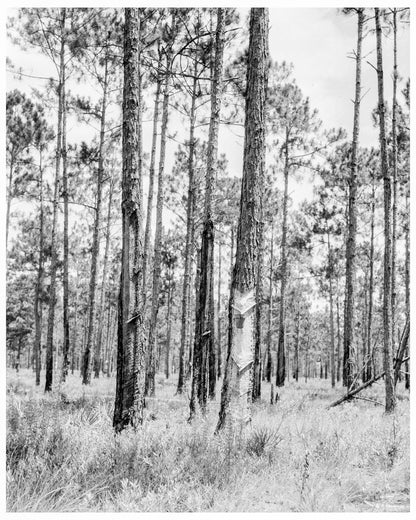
(270, 314)
(169, 330)
(258, 310)
(297, 345)
(39, 281)
(394, 168)
(150, 372)
(371, 283)
(236, 390)
(9, 198)
(219, 355)
(407, 284)
(147, 233)
(66, 343)
(349, 366)
(89, 350)
(189, 244)
(388, 352)
(331, 312)
(97, 357)
(204, 344)
(281, 355)
(54, 252)
(131, 344)
(74, 328)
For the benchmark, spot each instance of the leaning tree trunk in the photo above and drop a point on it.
(39, 281)
(388, 352)
(131, 344)
(89, 350)
(54, 253)
(204, 345)
(349, 365)
(281, 355)
(236, 390)
(157, 257)
(190, 207)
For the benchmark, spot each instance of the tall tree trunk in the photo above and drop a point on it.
(281, 355)
(169, 329)
(331, 312)
(236, 390)
(371, 282)
(131, 344)
(54, 252)
(297, 345)
(256, 394)
(39, 281)
(394, 168)
(407, 283)
(270, 314)
(97, 357)
(157, 257)
(65, 306)
(189, 243)
(89, 350)
(204, 344)
(147, 233)
(219, 356)
(349, 365)
(388, 352)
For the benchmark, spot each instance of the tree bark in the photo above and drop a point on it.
(394, 168)
(349, 365)
(54, 253)
(131, 344)
(236, 390)
(388, 352)
(270, 314)
(150, 372)
(204, 344)
(147, 233)
(189, 240)
(39, 281)
(281, 355)
(331, 312)
(219, 355)
(65, 306)
(92, 311)
(97, 357)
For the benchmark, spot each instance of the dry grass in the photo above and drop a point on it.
(62, 454)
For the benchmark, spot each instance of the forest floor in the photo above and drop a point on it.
(297, 455)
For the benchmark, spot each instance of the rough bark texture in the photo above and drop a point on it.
(394, 169)
(369, 353)
(131, 345)
(204, 344)
(281, 355)
(388, 352)
(407, 281)
(54, 252)
(219, 355)
(92, 307)
(169, 331)
(349, 365)
(236, 391)
(331, 314)
(65, 306)
(157, 256)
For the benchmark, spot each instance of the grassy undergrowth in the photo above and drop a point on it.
(297, 455)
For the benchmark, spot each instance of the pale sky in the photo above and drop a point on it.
(317, 41)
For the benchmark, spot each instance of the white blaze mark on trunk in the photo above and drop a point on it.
(242, 351)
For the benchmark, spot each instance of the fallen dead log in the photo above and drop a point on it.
(397, 364)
